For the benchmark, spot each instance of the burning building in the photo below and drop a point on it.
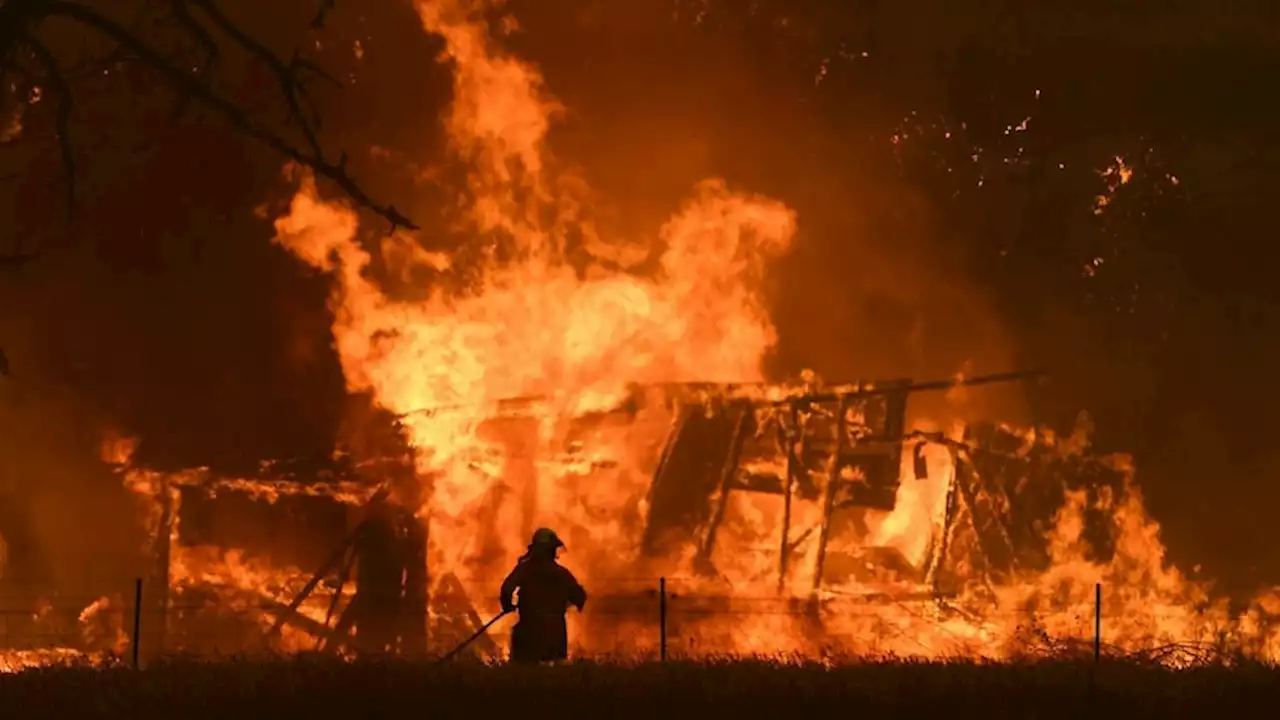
(615, 390)
(786, 517)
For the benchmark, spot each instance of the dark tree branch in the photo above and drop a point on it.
(206, 42)
(288, 76)
(62, 114)
(322, 14)
(18, 17)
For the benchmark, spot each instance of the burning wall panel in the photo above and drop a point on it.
(293, 531)
(875, 594)
(686, 479)
(230, 553)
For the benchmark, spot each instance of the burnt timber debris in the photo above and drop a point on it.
(841, 448)
(843, 445)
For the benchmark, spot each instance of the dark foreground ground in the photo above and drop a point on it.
(305, 689)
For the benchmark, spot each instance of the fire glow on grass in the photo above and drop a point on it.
(685, 307)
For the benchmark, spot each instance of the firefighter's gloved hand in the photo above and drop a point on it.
(508, 607)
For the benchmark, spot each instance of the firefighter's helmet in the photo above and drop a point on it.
(546, 538)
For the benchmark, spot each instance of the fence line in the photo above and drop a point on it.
(668, 606)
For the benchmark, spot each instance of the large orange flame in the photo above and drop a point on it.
(538, 326)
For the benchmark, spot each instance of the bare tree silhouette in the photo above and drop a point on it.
(180, 43)
(32, 71)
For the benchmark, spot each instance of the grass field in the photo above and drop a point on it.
(286, 689)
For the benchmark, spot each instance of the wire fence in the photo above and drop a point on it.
(669, 618)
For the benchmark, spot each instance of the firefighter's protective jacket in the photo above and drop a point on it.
(546, 591)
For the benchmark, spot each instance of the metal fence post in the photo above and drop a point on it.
(1097, 623)
(662, 619)
(137, 619)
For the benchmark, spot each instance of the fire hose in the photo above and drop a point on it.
(475, 636)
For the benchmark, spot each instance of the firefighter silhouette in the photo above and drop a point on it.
(546, 591)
